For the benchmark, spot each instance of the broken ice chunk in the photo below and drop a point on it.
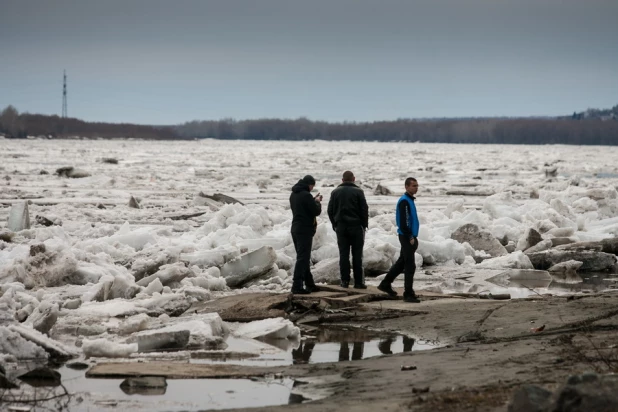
(107, 349)
(274, 328)
(19, 217)
(248, 266)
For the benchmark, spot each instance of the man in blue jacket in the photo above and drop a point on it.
(407, 229)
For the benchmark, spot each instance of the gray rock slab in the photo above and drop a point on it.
(246, 307)
(590, 392)
(592, 261)
(530, 398)
(479, 239)
(605, 245)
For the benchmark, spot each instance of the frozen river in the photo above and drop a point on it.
(104, 268)
(504, 189)
(166, 175)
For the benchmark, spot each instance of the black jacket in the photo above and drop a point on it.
(348, 207)
(304, 209)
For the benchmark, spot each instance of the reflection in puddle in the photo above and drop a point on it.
(348, 345)
(526, 286)
(147, 385)
(324, 344)
(159, 394)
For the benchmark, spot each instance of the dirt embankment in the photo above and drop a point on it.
(493, 347)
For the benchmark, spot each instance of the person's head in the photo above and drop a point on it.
(348, 176)
(310, 181)
(411, 186)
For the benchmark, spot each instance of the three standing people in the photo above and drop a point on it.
(349, 215)
(305, 210)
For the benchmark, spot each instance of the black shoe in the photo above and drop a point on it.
(360, 286)
(411, 299)
(387, 289)
(313, 288)
(345, 284)
(300, 291)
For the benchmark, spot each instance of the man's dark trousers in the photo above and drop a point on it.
(405, 264)
(302, 271)
(351, 237)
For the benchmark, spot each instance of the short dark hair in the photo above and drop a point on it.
(309, 180)
(348, 176)
(410, 180)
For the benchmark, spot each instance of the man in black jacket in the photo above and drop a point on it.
(349, 214)
(305, 209)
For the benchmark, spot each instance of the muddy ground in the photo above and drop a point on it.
(492, 349)
(489, 348)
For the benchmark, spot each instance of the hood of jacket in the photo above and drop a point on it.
(300, 187)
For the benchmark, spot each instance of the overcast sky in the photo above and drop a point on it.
(167, 62)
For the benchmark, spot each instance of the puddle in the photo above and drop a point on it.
(592, 282)
(90, 395)
(324, 344)
(348, 344)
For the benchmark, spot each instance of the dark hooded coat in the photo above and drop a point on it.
(304, 209)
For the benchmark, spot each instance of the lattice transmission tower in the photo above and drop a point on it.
(64, 95)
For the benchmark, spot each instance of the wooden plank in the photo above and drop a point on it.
(424, 294)
(346, 301)
(172, 370)
(319, 295)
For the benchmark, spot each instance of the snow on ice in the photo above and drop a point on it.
(105, 278)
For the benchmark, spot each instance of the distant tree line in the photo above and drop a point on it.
(13, 124)
(603, 114)
(593, 127)
(481, 130)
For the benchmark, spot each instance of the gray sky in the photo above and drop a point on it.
(166, 62)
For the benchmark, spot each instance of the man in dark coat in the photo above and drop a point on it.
(349, 214)
(305, 209)
(407, 229)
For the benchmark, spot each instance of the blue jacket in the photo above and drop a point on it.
(407, 219)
